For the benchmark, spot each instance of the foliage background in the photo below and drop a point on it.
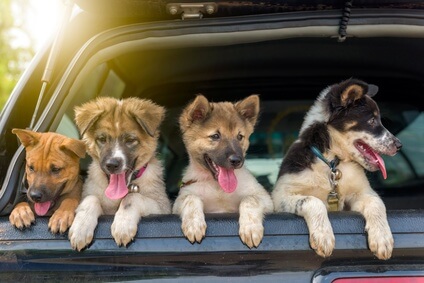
(14, 57)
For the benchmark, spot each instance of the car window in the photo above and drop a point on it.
(278, 127)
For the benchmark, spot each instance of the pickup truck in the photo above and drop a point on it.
(166, 51)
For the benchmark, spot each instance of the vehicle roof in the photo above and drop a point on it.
(157, 9)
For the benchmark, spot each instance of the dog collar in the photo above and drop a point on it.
(133, 188)
(335, 175)
(138, 173)
(332, 164)
(189, 182)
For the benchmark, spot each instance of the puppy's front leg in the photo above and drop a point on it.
(251, 229)
(380, 239)
(190, 208)
(82, 229)
(63, 217)
(22, 216)
(314, 211)
(132, 207)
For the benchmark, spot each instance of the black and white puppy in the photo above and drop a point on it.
(341, 137)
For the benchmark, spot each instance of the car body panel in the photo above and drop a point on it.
(283, 49)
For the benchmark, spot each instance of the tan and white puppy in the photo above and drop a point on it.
(216, 136)
(53, 177)
(125, 178)
(341, 137)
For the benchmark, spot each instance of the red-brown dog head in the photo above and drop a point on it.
(52, 161)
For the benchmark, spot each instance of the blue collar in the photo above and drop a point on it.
(332, 164)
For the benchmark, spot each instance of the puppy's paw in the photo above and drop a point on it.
(124, 230)
(22, 216)
(194, 228)
(60, 221)
(380, 241)
(322, 240)
(251, 234)
(81, 233)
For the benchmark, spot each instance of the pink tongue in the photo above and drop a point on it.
(42, 208)
(117, 188)
(227, 179)
(380, 163)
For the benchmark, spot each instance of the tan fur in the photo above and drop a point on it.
(45, 151)
(204, 194)
(352, 92)
(139, 119)
(311, 188)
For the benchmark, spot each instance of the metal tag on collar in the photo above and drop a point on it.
(333, 198)
(133, 188)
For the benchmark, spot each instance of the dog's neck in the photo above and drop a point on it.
(137, 174)
(331, 163)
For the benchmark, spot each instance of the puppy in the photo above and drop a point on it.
(125, 178)
(341, 137)
(54, 183)
(216, 136)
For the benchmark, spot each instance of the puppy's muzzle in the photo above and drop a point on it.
(236, 161)
(114, 165)
(37, 195)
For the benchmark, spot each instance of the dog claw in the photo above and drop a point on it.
(61, 221)
(194, 230)
(22, 217)
(381, 243)
(123, 234)
(251, 234)
(322, 243)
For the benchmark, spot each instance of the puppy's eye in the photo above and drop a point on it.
(55, 169)
(215, 137)
(130, 141)
(101, 139)
(240, 137)
(31, 168)
(372, 121)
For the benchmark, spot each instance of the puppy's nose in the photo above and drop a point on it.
(398, 144)
(235, 160)
(36, 195)
(113, 165)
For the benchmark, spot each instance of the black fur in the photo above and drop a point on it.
(299, 156)
(357, 113)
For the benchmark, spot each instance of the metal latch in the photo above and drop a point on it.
(192, 10)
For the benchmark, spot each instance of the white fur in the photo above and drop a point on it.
(151, 199)
(317, 112)
(305, 193)
(250, 199)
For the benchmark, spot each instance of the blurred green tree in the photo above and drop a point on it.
(13, 57)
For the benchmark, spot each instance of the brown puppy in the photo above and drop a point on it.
(54, 183)
(216, 136)
(125, 178)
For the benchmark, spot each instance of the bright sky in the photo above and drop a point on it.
(41, 19)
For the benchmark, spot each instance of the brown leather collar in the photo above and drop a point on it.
(189, 182)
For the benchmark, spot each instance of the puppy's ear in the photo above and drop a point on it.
(249, 108)
(27, 137)
(356, 89)
(197, 110)
(147, 114)
(75, 146)
(350, 94)
(86, 115)
(372, 90)
(347, 92)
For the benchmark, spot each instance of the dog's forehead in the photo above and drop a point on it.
(115, 125)
(225, 116)
(372, 105)
(44, 156)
